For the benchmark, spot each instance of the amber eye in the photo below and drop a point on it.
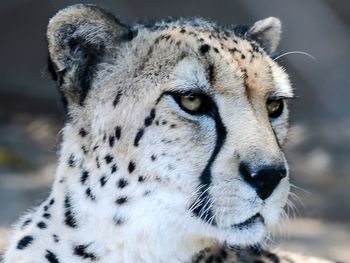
(191, 102)
(274, 107)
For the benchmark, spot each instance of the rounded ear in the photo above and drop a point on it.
(266, 32)
(79, 38)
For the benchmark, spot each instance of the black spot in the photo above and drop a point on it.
(216, 50)
(42, 225)
(149, 119)
(164, 122)
(69, 219)
(51, 257)
(83, 132)
(114, 168)
(81, 251)
(89, 194)
(243, 56)
(118, 220)
(25, 242)
(146, 193)
(183, 31)
(121, 200)
(122, 183)
(172, 126)
(204, 48)
(138, 136)
(83, 148)
(234, 50)
(56, 239)
(84, 177)
(52, 201)
(111, 140)
(131, 167)
(141, 179)
(108, 158)
(47, 215)
(71, 161)
(95, 148)
(103, 180)
(153, 157)
(117, 99)
(27, 222)
(98, 163)
(118, 131)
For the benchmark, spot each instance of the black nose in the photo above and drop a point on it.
(264, 179)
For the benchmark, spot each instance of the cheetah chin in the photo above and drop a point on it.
(171, 151)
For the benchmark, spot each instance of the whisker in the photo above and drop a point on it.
(295, 52)
(299, 188)
(295, 197)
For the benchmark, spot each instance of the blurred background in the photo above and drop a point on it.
(318, 149)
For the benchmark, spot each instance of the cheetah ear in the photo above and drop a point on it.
(267, 33)
(79, 38)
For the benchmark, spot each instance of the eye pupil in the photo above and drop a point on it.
(191, 97)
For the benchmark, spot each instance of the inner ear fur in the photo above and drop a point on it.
(79, 38)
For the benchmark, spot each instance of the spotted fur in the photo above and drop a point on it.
(142, 179)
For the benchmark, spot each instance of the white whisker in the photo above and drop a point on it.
(295, 52)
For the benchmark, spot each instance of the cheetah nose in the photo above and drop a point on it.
(263, 179)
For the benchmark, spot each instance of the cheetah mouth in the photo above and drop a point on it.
(257, 218)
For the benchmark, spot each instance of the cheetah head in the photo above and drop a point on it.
(189, 115)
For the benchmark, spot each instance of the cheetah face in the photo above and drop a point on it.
(199, 111)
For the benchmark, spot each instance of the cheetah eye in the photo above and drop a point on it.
(191, 102)
(274, 107)
(194, 103)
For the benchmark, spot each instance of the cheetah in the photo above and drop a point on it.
(171, 150)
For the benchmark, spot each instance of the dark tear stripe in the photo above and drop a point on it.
(81, 252)
(25, 242)
(69, 219)
(205, 178)
(278, 142)
(51, 257)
